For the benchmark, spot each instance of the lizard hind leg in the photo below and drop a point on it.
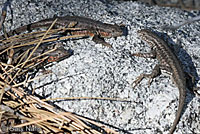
(191, 84)
(156, 72)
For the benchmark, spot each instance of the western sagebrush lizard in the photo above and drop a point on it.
(95, 29)
(169, 62)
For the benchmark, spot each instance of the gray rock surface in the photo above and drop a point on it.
(98, 71)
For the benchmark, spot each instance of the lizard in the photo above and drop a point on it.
(58, 54)
(169, 62)
(96, 29)
(50, 53)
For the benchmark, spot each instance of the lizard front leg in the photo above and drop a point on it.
(100, 40)
(156, 72)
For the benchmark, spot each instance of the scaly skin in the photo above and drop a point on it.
(169, 62)
(91, 26)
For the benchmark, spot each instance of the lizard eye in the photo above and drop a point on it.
(113, 30)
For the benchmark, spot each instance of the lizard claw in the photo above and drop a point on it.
(138, 80)
(150, 81)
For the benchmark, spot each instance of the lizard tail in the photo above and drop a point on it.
(182, 96)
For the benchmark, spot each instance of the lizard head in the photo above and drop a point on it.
(144, 34)
(148, 36)
(111, 31)
(59, 54)
(117, 30)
